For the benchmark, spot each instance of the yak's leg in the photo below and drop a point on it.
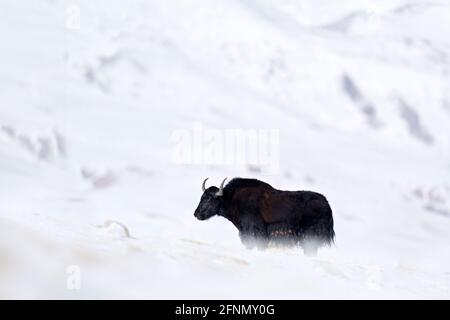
(310, 248)
(254, 234)
(247, 240)
(251, 241)
(310, 243)
(315, 236)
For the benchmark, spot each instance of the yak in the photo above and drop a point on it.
(266, 217)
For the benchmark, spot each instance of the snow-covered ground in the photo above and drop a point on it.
(95, 93)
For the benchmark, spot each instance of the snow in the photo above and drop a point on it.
(94, 93)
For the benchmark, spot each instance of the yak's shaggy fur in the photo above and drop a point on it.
(267, 216)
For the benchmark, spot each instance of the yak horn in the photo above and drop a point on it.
(220, 192)
(203, 185)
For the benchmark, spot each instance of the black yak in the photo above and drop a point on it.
(264, 215)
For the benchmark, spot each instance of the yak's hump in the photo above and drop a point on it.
(238, 183)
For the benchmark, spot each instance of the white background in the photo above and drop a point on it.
(91, 93)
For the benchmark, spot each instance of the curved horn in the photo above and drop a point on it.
(220, 192)
(203, 185)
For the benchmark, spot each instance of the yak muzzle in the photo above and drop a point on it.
(199, 216)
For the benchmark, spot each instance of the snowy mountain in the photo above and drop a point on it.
(98, 96)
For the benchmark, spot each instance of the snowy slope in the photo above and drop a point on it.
(93, 92)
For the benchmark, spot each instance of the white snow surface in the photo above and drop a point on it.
(92, 92)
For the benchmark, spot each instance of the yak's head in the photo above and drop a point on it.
(211, 203)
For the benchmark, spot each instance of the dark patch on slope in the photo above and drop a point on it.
(414, 124)
(365, 106)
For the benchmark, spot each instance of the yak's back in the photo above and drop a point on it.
(239, 184)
